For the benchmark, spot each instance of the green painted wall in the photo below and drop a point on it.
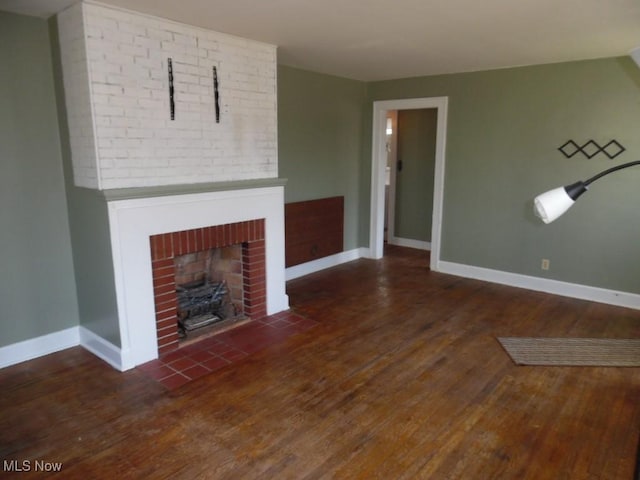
(90, 236)
(320, 130)
(414, 183)
(37, 285)
(504, 129)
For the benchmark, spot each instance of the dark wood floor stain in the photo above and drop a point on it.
(402, 378)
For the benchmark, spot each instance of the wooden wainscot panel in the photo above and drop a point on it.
(313, 229)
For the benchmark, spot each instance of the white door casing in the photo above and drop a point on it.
(378, 165)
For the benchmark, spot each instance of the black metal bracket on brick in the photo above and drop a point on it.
(591, 148)
(216, 93)
(172, 104)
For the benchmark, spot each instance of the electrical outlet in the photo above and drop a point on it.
(545, 264)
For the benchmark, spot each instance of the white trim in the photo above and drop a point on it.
(325, 262)
(583, 292)
(378, 164)
(104, 350)
(39, 346)
(409, 242)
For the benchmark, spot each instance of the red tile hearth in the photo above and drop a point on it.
(175, 368)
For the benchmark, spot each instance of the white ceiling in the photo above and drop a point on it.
(378, 40)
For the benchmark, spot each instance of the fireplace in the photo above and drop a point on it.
(166, 247)
(147, 232)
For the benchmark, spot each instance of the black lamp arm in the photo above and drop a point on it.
(576, 189)
(610, 170)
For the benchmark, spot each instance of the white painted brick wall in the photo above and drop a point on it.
(120, 57)
(77, 93)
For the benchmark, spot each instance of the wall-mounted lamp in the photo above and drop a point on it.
(389, 126)
(550, 205)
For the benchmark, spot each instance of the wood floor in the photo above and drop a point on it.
(401, 379)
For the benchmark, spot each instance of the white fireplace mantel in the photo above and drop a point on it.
(132, 221)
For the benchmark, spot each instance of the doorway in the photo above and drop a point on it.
(379, 171)
(411, 142)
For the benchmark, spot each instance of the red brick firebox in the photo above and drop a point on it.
(166, 246)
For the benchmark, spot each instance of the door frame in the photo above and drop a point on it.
(378, 164)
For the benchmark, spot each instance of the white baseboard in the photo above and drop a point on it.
(37, 347)
(410, 243)
(325, 262)
(556, 287)
(104, 350)
(54, 342)
(122, 360)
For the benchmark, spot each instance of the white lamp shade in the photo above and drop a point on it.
(635, 54)
(550, 205)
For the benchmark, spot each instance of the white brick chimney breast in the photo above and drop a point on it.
(116, 81)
